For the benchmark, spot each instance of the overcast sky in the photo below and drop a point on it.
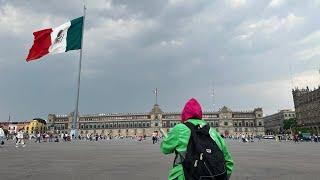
(251, 52)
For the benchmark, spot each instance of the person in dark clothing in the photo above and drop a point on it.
(178, 138)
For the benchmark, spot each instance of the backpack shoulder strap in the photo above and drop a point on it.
(193, 135)
(191, 126)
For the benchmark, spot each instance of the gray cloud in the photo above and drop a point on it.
(242, 48)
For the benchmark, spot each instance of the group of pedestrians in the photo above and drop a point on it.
(19, 138)
(2, 136)
(93, 137)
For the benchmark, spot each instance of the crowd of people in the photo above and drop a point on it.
(21, 137)
(298, 137)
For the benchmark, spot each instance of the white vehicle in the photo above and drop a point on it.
(268, 137)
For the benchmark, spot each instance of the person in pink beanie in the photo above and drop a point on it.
(201, 153)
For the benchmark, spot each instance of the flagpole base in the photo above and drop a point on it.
(74, 133)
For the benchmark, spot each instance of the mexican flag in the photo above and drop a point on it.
(64, 38)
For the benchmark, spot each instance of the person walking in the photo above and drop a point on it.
(154, 136)
(201, 153)
(243, 137)
(20, 137)
(15, 137)
(51, 137)
(38, 137)
(295, 138)
(2, 136)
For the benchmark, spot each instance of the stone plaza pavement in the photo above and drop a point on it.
(130, 159)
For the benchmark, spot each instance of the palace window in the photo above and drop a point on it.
(235, 124)
(226, 123)
(90, 126)
(240, 123)
(247, 124)
(156, 124)
(260, 123)
(94, 126)
(148, 125)
(143, 124)
(251, 123)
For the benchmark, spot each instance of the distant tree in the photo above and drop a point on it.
(292, 122)
(304, 130)
(40, 120)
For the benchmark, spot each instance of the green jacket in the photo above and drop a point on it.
(178, 138)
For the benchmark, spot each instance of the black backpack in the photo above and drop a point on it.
(203, 160)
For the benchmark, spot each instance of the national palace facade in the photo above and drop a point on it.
(226, 121)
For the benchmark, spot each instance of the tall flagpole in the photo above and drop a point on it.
(75, 113)
(156, 95)
(212, 94)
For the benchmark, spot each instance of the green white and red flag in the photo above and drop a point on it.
(63, 38)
